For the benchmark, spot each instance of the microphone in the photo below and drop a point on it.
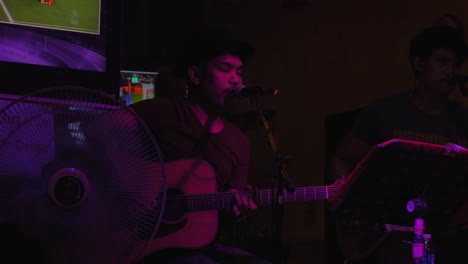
(243, 90)
(416, 205)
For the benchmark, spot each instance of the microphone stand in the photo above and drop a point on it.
(282, 182)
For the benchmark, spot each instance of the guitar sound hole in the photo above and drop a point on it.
(176, 206)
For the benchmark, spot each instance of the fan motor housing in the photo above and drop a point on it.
(68, 188)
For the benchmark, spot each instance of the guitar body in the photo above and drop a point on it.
(358, 239)
(180, 229)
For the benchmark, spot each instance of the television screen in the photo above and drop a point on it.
(56, 43)
(136, 86)
(58, 34)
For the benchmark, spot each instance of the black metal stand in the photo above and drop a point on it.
(280, 182)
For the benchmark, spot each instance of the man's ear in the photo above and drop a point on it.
(418, 64)
(194, 74)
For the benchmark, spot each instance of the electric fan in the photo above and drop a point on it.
(80, 174)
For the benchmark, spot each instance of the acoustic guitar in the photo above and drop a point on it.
(190, 218)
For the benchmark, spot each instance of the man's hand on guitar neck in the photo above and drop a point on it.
(244, 206)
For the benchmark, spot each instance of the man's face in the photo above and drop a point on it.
(438, 70)
(222, 75)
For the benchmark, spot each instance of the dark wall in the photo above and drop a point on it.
(154, 31)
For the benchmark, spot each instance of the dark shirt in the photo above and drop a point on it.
(398, 117)
(180, 134)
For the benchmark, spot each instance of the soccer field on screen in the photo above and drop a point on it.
(80, 16)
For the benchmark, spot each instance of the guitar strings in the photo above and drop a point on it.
(261, 195)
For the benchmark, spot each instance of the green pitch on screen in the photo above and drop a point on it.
(80, 16)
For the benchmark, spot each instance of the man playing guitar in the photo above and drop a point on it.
(194, 127)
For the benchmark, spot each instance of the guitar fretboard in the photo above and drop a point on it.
(225, 200)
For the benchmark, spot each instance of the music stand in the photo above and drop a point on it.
(397, 171)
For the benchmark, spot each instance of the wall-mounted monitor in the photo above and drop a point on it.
(46, 43)
(136, 85)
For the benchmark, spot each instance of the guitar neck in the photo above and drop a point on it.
(225, 200)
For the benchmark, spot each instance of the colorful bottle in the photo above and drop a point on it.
(418, 241)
